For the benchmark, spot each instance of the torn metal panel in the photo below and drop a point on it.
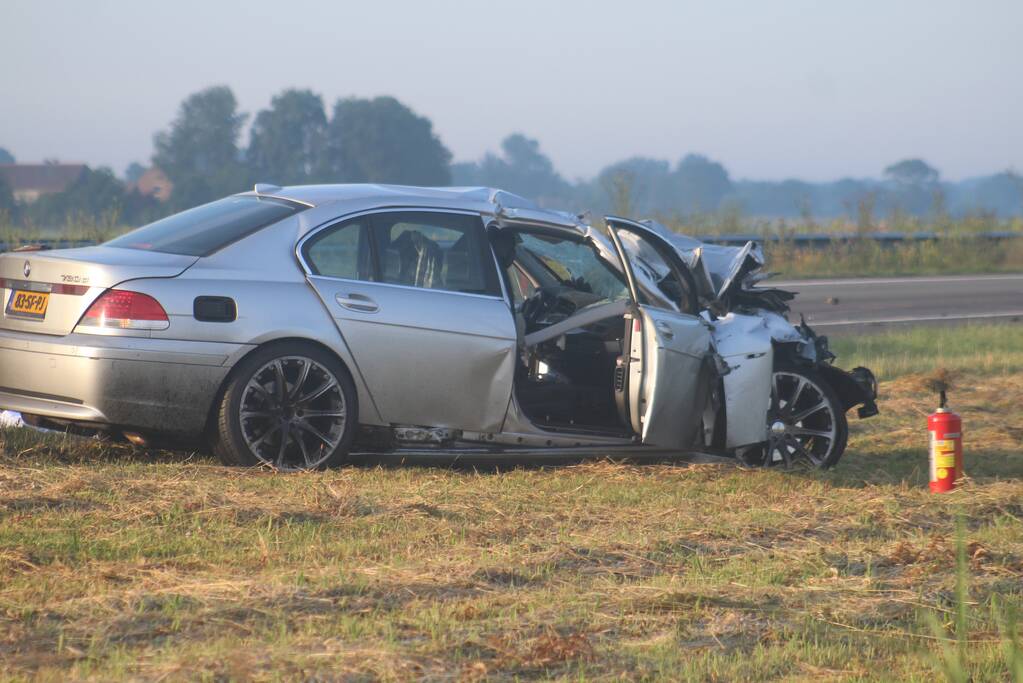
(426, 435)
(725, 276)
(745, 344)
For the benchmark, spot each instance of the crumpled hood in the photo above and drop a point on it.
(725, 276)
(717, 268)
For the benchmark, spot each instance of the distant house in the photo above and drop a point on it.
(28, 182)
(153, 183)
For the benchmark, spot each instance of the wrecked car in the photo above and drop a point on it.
(292, 327)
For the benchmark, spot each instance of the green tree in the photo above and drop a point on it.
(7, 203)
(199, 153)
(286, 141)
(383, 141)
(1001, 193)
(914, 184)
(700, 184)
(134, 171)
(619, 185)
(96, 197)
(634, 185)
(523, 169)
(6, 157)
(912, 172)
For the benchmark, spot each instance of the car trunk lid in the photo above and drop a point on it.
(60, 285)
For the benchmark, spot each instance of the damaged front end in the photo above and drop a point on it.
(751, 326)
(856, 387)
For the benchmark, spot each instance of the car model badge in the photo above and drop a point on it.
(27, 269)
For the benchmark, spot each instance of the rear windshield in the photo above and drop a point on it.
(207, 228)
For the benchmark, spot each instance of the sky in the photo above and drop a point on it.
(770, 88)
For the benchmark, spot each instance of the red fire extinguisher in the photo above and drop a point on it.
(946, 433)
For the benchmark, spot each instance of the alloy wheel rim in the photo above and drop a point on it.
(292, 413)
(802, 426)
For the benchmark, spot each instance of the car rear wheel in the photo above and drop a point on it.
(290, 407)
(806, 423)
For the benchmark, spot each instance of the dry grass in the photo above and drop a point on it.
(116, 564)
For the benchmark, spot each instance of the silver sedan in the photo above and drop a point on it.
(288, 327)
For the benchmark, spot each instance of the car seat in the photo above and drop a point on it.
(458, 270)
(419, 261)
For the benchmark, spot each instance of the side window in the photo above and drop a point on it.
(342, 251)
(569, 263)
(434, 250)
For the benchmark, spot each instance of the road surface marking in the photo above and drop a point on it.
(892, 281)
(918, 319)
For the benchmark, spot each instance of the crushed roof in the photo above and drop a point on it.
(489, 199)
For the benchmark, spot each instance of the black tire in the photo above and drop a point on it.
(300, 408)
(807, 437)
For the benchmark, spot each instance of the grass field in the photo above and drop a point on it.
(980, 349)
(118, 564)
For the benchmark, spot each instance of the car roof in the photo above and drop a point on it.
(487, 200)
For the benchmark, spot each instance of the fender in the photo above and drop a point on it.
(856, 387)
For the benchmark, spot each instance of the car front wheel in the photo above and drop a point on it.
(290, 407)
(806, 423)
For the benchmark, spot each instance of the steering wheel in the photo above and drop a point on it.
(534, 308)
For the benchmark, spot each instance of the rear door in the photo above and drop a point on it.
(672, 371)
(416, 297)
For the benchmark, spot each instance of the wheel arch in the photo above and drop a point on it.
(211, 416)
(852, 389)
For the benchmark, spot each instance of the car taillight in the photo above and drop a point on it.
(124, 310)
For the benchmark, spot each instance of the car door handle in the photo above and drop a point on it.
(357, 302)
(665, 330)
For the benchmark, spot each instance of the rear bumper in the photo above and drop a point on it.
(152, 385)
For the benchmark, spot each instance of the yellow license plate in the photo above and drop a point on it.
(28, 304)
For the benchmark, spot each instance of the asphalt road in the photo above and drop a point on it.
(864, 303)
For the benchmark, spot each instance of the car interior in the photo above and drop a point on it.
(569, 311)
(420, 250)
(429, 251)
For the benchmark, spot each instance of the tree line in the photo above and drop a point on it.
(295, 141)
(292, 142)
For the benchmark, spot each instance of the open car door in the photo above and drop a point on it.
(671, 371)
